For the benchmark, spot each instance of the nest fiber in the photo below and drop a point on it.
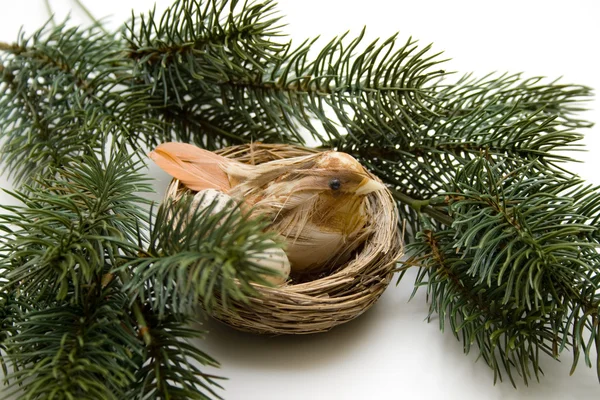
(327, 301)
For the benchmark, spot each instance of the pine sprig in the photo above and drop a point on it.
(508, 338)
(199, 254)
(214, 40)
(11, 311)
(507, 91)
(517, 284)
(190, 53)
(86, 351)
(70, 227)
(66, 92)
(61, 279)
(40, 83)
(226, 76)
(494, 210)
(170, 367)
(511, 119)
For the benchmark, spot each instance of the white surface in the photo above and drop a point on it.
(391, 352)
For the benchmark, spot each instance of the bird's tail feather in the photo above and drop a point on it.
(196, 168)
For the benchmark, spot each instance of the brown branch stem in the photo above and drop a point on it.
(422, 206)
(11, 48)
(456, 281)
(44, 58)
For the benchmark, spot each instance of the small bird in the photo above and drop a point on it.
(317, 203)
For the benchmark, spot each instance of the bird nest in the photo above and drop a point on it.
(347, 291)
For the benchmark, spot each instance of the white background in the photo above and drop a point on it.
(391, 352)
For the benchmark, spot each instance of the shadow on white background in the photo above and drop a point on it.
(388, 353)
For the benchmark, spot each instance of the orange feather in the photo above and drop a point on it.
(196, 168)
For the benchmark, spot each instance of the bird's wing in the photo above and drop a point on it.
(196, 168)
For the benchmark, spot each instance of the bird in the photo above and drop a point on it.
(317, 203)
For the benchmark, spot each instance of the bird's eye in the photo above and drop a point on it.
(334, 184)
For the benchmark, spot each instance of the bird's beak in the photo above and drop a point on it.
(368, 185)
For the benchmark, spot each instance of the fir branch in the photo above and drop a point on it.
(185, 60)
(11, 312)
(82, 352)
(499, 254)
(198, 255)
(63, 249)
(189, 27)
(496, 211)
(509, 118)
(507, 91)
(508, 337)
(65, 92)
(71, 226)
(170, 364)
(251, 85)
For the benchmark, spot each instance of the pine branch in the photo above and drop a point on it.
(499, 255)
(198, 255)
(169, 369)
(65, 92)
(71, 225)
(227, 72)
(82, 352)
(74, 331)
(509, 338)
(186, 59)
(11, 311)
(190, 27)
(510, 119)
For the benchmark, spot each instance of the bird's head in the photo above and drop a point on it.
(328, 189)
(336, 173)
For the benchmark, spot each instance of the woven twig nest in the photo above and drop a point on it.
(327, 301)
